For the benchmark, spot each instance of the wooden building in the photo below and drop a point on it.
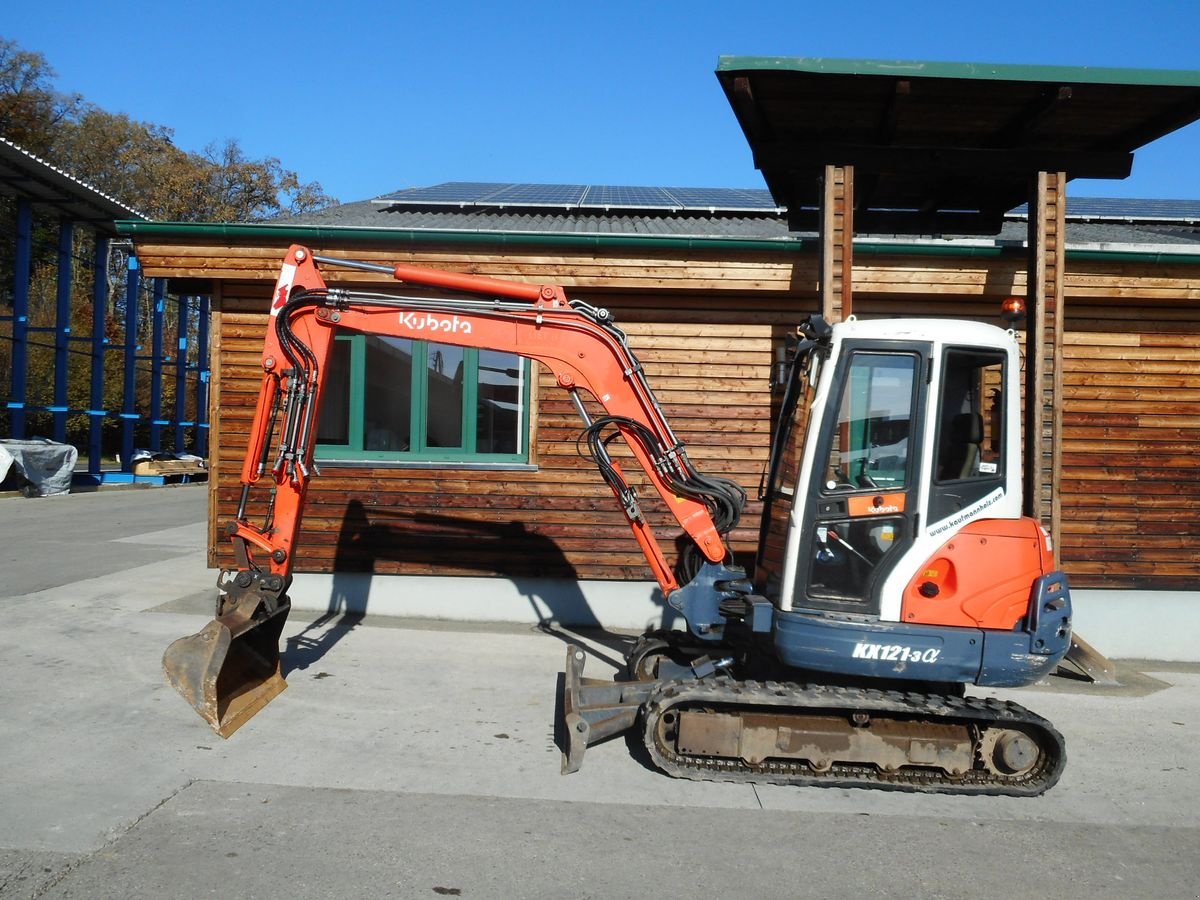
(706, 294)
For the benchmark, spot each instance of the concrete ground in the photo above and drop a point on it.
(416, 759)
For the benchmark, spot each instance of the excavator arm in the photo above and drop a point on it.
(231, 669)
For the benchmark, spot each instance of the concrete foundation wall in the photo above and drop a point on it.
(1120, 624)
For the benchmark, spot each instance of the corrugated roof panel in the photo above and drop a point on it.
(24, 175)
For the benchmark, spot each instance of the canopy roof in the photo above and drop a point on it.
(24, 175)
(944, 147)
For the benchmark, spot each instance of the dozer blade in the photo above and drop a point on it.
(229, 670)
(594, 710)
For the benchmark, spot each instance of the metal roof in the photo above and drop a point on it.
(24, 175)
(944, 147)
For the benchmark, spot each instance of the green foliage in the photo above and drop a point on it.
(30, 109)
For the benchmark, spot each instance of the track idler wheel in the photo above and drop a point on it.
(1008, 751)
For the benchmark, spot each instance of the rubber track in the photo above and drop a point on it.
(726, 694)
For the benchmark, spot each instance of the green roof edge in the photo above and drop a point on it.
(979, 71)
(309, 234)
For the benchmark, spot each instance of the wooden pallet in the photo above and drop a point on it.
(168, 467)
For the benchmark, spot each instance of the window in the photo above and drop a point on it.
(971, 420)
(870, 442)
(856, 541)
(970, 462)
(397, 399)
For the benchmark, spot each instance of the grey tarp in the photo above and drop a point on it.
(41, 467)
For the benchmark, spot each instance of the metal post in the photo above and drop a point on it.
(181, 357)
(202, 373)
(96, 410)
(129, 416)
(156, 366)
(22, 263)
(62, 327)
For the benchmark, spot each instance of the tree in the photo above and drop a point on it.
(239, 189)
(31, 110)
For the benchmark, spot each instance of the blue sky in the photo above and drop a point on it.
(371, 97)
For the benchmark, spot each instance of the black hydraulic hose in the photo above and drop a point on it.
(724, 499)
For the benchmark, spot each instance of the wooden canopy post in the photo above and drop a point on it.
(837, 243)
(1044, 352)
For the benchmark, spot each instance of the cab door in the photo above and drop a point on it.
(863, 495)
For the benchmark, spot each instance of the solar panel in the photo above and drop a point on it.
(1123, 208)
(582, 196)
(724, 198)
(538, 195)
(1126, 209)
(492, 194)
(608, 196)
(450, 193)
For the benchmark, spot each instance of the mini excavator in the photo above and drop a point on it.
(894, 565)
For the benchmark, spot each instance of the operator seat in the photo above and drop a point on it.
(960, 452)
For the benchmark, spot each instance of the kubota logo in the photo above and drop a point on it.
(426, 322)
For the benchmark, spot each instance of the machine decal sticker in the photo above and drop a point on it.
(283, 287)
(967, 514)
(877, 505)
(894, 653)
(424, 322)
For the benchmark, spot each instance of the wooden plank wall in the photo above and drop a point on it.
(1129, 479)
(650, 270)
(1131, 432)
(1130, 408)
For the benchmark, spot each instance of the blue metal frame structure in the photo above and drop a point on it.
(45, 197)
(22, 262)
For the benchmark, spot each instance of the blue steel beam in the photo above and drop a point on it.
(181, 359)
(99, 307)
(156, 365)
(129, 416)
(202, 373)
(22, 263)
(62, 326)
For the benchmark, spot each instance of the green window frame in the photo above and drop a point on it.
(422, 374)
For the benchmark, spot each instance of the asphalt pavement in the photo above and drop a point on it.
(417, 759)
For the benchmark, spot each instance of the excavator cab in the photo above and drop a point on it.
(904, 537)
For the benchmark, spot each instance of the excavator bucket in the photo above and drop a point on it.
(229, 670)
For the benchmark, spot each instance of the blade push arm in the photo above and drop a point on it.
(577, 342)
